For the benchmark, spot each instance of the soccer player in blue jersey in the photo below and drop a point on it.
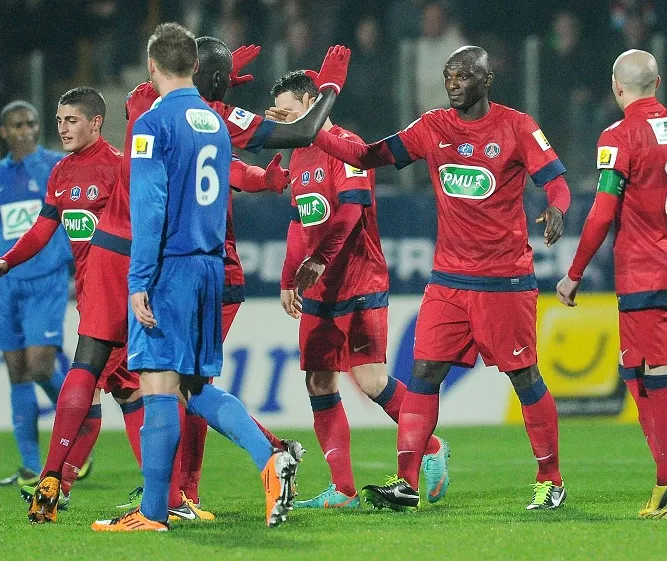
(34, 297)
(179, 185)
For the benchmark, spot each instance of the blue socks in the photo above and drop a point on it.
(25, 414)
(227, 415)
(159, 441)
(52, 386)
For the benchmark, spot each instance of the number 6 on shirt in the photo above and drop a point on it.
(205, 171)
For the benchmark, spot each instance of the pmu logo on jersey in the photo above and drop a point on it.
(492, 150)
(465, 149)
(202, 120)
(467, 182)
(79, 224)
(75, 193)
(319, 175)
(659, 127)
(142, 146)
(92, 192)
(313, 209)
(305, 178)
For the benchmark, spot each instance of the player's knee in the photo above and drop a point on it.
(321, 383)
(525, 377)
(430, 371)
(93, 352)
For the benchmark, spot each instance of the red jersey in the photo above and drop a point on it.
(247, 130)
(478, 170)
(234, 278)
(636, 147)
(320, 185)
(77, 193)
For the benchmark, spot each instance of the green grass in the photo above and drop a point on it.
(607, 469)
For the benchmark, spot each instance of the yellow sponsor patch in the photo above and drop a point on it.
(538, 135)
(351, 171)
(142, 146)
(607, 156)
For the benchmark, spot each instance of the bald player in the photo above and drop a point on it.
(632, 191)
(479, 155)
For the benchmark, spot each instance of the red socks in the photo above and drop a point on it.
(391, 399)
(272, 438)
(133, 415)
(73, 405)
(416, 423)
(333, 434)
(83, 445)
(194, 439)
(656, 390)
(541, 420)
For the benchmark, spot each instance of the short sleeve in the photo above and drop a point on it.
(353, 185)
(613, 152)
(539, 158)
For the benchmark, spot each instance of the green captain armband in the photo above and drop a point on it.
(611, 181)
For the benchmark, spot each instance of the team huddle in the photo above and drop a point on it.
(158, 280)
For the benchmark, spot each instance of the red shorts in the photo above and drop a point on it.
(115, 376)
(229, 312)
(103, 303)
(340, 343)
(455, 325)
(643, 337)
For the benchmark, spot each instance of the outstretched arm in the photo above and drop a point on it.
(31, 242)
(329, 83)
(357, 154)
(253, 179)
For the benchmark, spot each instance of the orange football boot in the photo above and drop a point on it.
(44, 504)
(278, 478)
(133, 521)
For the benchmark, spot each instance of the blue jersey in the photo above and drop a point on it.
(179, 184)
(22, 194)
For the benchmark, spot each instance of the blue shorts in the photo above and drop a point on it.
(33, 310)
(186, 301)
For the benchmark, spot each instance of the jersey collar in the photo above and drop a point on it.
(182, 92)
(640, 105)
(98, 145)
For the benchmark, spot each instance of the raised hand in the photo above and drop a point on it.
(334, 69)
(276, 178)
(241, 57)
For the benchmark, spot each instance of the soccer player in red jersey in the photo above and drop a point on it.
(343, 312)
(632, 191)
(77, 192)
(478, 154)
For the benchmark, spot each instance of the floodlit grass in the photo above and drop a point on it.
(607, 468)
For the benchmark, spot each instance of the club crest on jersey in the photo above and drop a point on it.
(79, 224)
(319, 175)
(305, 178)
(465, 149)
(466, 182)
(92, 192)
(75, 193)
(313, 209)
(202, 120)
(492, 150)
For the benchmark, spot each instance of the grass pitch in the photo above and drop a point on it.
(607, 468)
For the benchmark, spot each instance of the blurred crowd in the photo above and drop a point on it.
(399, 49)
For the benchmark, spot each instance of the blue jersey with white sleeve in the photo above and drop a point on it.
(179, 182)
(22, 193)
